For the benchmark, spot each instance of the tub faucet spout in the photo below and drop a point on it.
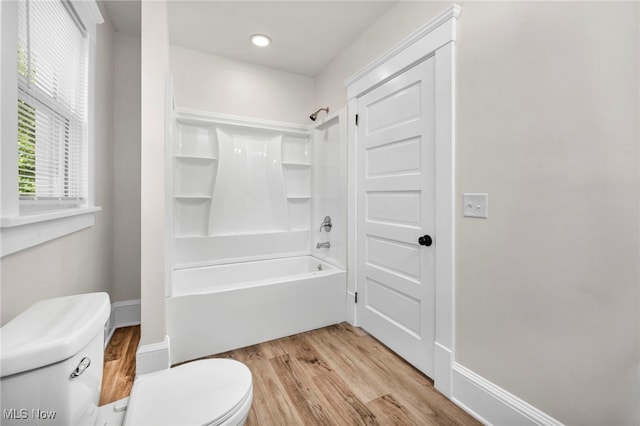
(323, 245)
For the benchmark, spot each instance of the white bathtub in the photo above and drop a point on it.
(214, 309)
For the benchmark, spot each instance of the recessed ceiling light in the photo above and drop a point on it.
(260, 40)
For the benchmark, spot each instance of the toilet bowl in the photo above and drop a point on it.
(51, 362)
(206, 392)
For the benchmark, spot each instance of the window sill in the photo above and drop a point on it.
(28, 230)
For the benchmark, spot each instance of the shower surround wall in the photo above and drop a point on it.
(242, 189)
(329, 189)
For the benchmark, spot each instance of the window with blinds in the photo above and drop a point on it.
(52, 98)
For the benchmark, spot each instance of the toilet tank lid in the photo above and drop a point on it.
(52, 330)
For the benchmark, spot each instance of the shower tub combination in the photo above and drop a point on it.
(214, 309)
(244, 270)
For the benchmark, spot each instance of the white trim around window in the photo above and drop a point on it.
(25, 231)
(21, 226)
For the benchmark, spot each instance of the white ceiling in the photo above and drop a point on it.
(306, 35)
(124, 15)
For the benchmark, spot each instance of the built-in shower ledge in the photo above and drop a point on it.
(189, 250)
(195, 157)
(268, 234)
(198, 118)
(295, 164)
(192, 197)
(239, 260)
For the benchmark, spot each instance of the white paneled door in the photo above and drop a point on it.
(396, 214)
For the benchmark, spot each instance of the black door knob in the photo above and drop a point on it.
(425, 240)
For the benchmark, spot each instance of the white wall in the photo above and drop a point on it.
(547, 289)
(79, 262)
(212, 83)
(155, 66)
(399, 22)
(126, 168)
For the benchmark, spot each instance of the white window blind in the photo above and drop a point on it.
(52, 95)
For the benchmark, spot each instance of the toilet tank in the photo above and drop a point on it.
(51, 361)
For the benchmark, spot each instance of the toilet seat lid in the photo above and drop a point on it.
(197, 393)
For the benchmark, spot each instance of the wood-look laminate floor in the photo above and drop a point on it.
(337, 375)
(119, 364)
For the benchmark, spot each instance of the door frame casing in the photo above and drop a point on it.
(436, 38)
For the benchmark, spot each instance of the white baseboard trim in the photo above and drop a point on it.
(123, 314)
(491, 404)
(153, 357)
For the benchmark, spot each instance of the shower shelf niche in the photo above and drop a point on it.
(192, 214)
(195, 158)
(194, 177)
(240, 188)
(292, 164)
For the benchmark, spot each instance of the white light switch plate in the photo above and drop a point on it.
(475, 205)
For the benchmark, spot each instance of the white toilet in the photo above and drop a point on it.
(51, 361)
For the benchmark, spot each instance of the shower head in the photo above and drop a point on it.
(315, 114)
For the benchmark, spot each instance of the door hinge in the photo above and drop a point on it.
(356, 119)
(356, 297)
